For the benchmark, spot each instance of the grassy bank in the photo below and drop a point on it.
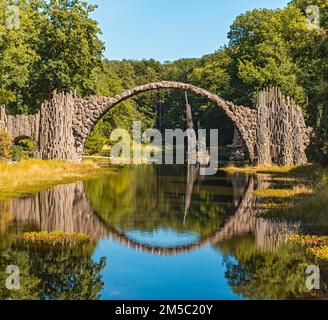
(32, 176)
(260, 169)
(290, 170)
(311, 173)
(296, 194)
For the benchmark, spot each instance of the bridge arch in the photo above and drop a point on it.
(88, 111)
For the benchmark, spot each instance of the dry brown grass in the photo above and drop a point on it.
(31, 176)
(284, 193)
(259, 169)
(317, 246)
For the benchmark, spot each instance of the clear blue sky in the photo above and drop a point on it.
(169, 29)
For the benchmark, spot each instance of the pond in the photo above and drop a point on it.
(158, 232)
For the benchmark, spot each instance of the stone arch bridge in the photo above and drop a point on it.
(272, 133)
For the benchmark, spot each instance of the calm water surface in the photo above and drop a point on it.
(158, 233)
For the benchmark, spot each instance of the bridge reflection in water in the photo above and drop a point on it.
(67, 208)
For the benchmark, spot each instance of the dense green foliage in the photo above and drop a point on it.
(52, 273)
(57, 47)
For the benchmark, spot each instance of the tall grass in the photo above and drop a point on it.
(259, 169)
(300, 194)
(284, 193)
(31, 176)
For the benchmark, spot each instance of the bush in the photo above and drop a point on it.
(25, 149)
(28, 143)
(5, 145)
(18, 153)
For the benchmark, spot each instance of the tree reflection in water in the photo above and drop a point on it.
(52, 273)
(258, 274)
(221, 210)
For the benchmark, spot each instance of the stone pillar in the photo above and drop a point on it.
(281, 134)
(56, 129)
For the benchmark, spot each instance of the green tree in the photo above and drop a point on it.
(95, 141)
(262, 43)
(56, 46)
(17, 55)
(68, 49)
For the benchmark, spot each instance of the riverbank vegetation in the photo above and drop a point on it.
(258, 169)
(317, 246)
(56, 238)
(294, 189)
(298, 194)
(284, 193)
(313, 172)
(31, 176)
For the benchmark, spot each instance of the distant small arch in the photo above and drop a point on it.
(17, 139)
(28, 146)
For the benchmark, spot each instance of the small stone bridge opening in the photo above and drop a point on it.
(272, 133)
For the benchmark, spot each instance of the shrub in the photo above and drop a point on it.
(24, 149)
(18, 153)
(5, 145)
(28, 143)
